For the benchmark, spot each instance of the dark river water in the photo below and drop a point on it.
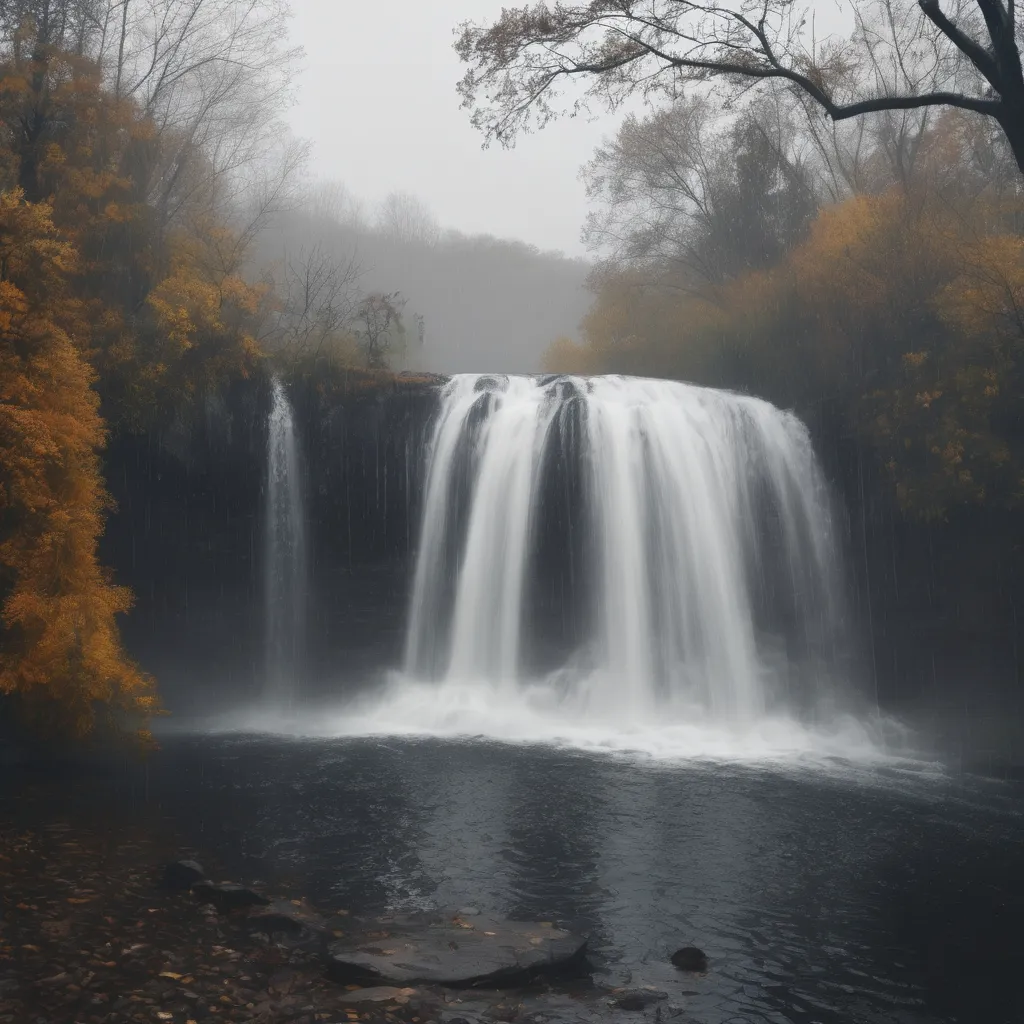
(821, 895)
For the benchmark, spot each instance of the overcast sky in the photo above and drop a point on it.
(378, 101)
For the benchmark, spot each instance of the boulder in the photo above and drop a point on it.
(690, 958)
(442, 949)
(183, 874)
(227, 896)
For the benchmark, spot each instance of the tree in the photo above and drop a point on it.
(621, 48)
(317, 304)
(683, 187)
(406, 219)
(333, 202)
(380, 327)
(61, 653)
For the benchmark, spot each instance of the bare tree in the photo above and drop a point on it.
(708, 195)
(334, 203)
(381, 331)
(621, 48)
(405, 218)
(213, 77)
(319, 302)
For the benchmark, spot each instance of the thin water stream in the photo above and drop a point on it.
(285, 577)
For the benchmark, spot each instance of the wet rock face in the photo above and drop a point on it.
(457, 952)
(188, 534)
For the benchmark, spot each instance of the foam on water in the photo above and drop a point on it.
(533, 716)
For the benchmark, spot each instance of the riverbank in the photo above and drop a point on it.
(90, 933)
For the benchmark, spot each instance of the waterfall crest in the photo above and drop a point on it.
(698, 548)
(284, 567)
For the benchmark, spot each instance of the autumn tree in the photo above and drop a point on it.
(623, 48)
(61, 653)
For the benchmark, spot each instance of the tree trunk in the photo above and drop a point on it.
(1011, 120)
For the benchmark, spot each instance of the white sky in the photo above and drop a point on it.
(378, 101)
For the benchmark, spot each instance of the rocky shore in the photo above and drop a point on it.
(93, 930)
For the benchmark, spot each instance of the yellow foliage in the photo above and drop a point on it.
(61, 653)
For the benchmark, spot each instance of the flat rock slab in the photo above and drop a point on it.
(380, 994)
(456, 951)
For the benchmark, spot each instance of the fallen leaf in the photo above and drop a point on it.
(490, 933)
(164, 1016)
(81, 899)
(171, 975)
(536, 942)
(22, 906)
(32, 949)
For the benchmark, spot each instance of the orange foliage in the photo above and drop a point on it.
(61, 653)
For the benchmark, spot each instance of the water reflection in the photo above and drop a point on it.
(818, 899)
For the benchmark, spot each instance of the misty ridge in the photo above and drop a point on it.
(467, 303)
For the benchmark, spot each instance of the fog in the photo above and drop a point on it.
(472, 303)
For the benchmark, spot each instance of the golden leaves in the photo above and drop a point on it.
(61, 645)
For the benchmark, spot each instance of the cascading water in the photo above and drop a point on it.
(284, 572)
(703, 564)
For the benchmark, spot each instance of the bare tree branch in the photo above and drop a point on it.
(617, 49)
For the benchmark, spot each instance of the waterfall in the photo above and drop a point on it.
(698, 556)
(284, 571)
